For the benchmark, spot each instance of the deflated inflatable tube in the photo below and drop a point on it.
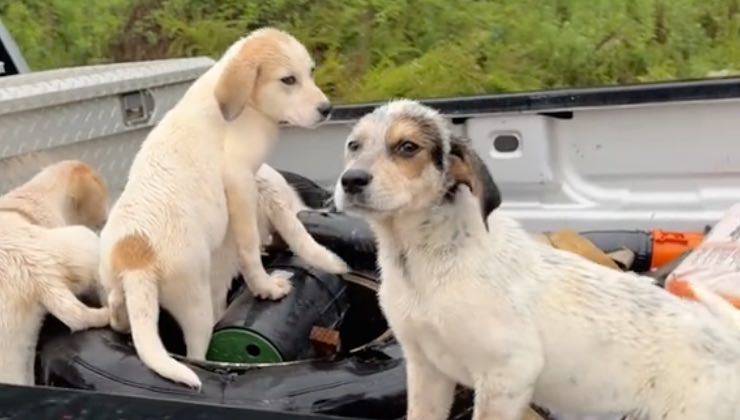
(367, 384)
(25, 402)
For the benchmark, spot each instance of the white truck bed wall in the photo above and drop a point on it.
(662, 156)
(651, 156)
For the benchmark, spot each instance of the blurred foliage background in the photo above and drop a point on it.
(375, 49)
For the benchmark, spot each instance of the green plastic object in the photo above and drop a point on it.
(239, 345)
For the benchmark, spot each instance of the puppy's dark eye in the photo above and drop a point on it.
(407, 148)
(353, 146)
(288, 80)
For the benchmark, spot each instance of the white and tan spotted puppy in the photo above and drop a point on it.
(187, 218)
(45, 263)
(490, 308)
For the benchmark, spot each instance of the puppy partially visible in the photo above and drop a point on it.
(278, 207)
(186, 222)
(45, 263)
(487, 306)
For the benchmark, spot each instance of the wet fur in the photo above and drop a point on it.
(520, 321)
(45, 262)
(187, 220)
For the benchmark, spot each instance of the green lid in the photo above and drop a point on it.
(238, 345)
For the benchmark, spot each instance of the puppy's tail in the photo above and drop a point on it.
(717, 305)
(142, 303)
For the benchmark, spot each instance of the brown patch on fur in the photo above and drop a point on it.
(462, 173)
(132, 252)
(89, 196)
(423, 135)
(466, 167)
(238, 83)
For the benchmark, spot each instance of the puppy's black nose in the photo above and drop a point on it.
(355, 180)
(325, 109)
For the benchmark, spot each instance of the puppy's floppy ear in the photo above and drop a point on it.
(238, 78)
(88, 194)
(466, 167)
(79, 178)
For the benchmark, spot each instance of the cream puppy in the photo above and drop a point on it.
(45, 262)
(489, 307)
(187, 218)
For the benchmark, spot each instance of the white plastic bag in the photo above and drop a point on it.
(715, 264)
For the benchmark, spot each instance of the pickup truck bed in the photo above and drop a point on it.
(631, 157)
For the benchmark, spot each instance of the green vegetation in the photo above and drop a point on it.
(374, 49)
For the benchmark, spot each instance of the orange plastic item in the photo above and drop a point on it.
(682, 288)
(667, 246)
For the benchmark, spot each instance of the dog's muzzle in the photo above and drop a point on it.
(354, 181)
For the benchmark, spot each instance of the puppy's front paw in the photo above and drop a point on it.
(274, 287)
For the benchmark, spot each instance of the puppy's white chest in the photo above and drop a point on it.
(426, 324)
(446, 353)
